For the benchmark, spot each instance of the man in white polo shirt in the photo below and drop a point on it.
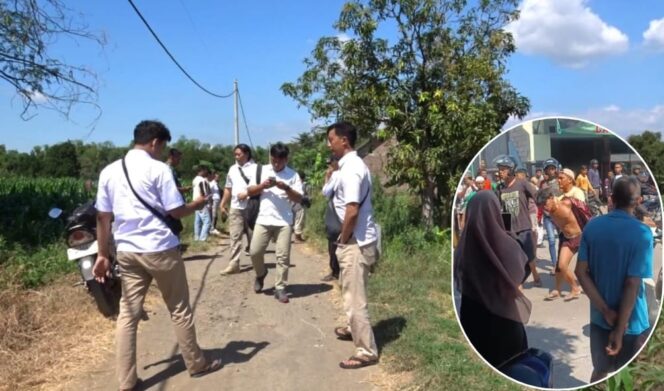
(356, 245)
(146, 248)
(240, 176)
(280, 188)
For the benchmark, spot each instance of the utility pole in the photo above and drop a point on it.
(237, 120)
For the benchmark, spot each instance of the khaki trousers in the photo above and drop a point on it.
(167, 269)
(298, 226)
(259, 242)
(355, 262)
(236, 227)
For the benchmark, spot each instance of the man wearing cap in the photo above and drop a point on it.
(514, 194)
(567, 186)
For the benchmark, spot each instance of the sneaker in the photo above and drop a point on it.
(258, 283)
(280, 294)
(230, 269)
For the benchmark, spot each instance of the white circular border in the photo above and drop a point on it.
(477, 155)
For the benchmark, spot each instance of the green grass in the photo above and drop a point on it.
(411, 305)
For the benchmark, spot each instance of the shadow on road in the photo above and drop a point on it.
(235, 352)
(558, 343)
(302, 290)
(388, 330)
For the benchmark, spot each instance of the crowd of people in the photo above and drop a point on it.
(502, 222)
(267, 203)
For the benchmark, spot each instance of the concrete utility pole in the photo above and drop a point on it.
(237, 120)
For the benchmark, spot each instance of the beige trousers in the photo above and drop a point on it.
(298, 226)
(236, 228)
(167, 269)
(355, 262)
(259, 242)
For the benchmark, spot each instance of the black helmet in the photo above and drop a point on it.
(551, 162)
(505, 161)
(593, 161)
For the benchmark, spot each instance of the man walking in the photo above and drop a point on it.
(615, 255)
(514, 194)
(147, 249)
(279, 190)
(203, 217)
(240, 176)
(356, 245)
(563, 217)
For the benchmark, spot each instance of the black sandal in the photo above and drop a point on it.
(343, 334)
(359, 362)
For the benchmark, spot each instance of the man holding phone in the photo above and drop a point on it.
(281, 188)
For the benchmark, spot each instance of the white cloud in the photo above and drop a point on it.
(566, 31)
(621, 121)
(343, 37)
(653, 38)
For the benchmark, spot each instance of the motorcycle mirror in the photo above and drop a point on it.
(54, 213)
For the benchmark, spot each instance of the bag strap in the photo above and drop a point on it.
(259, 169)
(150, 208)
(358, 208)
(243, 176)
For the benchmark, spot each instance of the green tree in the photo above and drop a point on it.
(428, 73)
(651, 147)
(61, 160)
(27, 29)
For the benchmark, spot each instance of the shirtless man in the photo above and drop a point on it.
(560, 212)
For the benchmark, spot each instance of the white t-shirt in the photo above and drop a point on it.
(354, 185)
(275, 208)
(214, 188)
(201, 186)
(331, 185)
(137, 230)
(237, 184)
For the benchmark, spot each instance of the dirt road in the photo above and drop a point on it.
(265, 345)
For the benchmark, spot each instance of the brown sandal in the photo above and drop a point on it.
(215, 365)
(343, 334)
(355, 362)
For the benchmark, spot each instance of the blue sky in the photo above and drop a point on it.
(577, 58)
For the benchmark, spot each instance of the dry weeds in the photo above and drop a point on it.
(51, 335)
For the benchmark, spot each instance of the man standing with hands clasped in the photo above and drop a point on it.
(357, 244)
(147, 249)
(615, 255)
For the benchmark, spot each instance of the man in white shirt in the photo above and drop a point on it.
(213, 179)
(357, 244)
(240, 176)
(202, 218)
(280, 188)
(146, 248)
(330, 186)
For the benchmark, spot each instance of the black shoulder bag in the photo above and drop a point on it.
(250, 212)
(171, 222)
(332, 221)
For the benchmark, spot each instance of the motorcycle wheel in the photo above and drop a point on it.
(106, 295)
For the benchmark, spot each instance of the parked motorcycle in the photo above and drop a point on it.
(81, 238)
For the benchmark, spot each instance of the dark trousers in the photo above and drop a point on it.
(334, 262)
(496, 338)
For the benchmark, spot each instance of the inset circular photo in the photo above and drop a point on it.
(557, 253)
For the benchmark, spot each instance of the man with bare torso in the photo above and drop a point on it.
(562, 216)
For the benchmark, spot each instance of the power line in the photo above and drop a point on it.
(244, 119)
(173, 58)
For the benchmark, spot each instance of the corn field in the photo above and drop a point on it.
(24, 207)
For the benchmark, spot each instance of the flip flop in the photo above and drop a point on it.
(343, 334)
(552, 297)
(215, 365)
(358, 362)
